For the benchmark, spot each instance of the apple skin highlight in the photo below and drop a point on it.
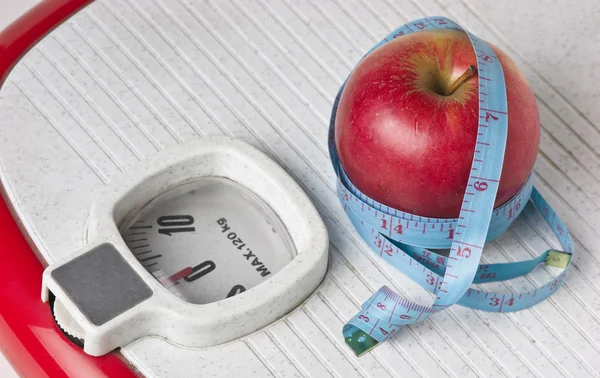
(407, 143)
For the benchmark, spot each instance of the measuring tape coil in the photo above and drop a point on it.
(403, 239)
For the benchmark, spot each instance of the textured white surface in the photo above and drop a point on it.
(126, 78)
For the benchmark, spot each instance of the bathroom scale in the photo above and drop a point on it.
(169, 207)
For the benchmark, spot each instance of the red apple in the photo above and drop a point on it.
(407, 122)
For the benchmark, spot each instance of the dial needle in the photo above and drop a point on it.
(177, 276)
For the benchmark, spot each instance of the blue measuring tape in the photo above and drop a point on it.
(402, 239)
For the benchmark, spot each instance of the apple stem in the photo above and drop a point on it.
(469, 73)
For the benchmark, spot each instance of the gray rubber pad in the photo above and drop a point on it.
(101, 284)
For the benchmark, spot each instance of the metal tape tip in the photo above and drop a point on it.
(358, 340)
(558, 259)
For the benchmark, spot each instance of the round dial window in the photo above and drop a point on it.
(208, 240)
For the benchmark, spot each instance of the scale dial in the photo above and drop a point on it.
(208, 240)
(177, 235)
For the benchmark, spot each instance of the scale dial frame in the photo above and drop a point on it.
(160, 312)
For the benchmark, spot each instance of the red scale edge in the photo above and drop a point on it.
(29, 338)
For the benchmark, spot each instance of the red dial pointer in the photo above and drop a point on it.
(177, 276)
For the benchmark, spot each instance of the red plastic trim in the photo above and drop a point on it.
(29, 338)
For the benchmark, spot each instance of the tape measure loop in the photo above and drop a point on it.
(405, 240)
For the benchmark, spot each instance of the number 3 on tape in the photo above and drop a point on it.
(402, 242)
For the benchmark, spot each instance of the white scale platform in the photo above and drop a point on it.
(123, 79)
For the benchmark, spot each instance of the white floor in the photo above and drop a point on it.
(9, 11)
